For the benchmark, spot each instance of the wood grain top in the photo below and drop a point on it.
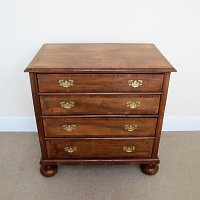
(99, 58)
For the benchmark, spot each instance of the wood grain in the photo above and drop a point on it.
(100, 58)
(99, 104)
(161, 115)
(99, 127)
(37, 109)
(99, 161)
(100, 93)
(100, 82)
(99, 148)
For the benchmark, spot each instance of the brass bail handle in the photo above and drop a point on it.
(70, 149)
(133, 104)
(135, 83)
(67, 105)
(129, 149)
(69, 127)
(130, 127)
(66, 84)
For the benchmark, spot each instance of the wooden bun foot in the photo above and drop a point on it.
(149, 169)
(48, 170)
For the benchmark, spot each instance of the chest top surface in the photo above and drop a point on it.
(99, 58)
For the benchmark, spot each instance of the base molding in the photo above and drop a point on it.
(99, 161)
(48, 168)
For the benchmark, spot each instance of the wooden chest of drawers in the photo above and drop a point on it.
(99, 104)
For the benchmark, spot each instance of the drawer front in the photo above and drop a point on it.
(99, 148)
(99, 127)
(99, 104)
(100, 82)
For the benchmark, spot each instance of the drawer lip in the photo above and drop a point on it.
(99, 148)
(97, 93)
(106, 94)
(98, 116)
(100, 104)
(99, 127)
(103, 138)
(134, 70)
(95, 83)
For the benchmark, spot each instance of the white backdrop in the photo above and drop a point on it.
(173, 26)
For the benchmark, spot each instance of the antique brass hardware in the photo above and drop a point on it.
(70, 149)
(66, 84)
(133, 104)
(69, 127)
(130, 127)
(135, 83)
(129, 149)
(67, 105)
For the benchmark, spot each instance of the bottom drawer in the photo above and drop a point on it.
(99, 148)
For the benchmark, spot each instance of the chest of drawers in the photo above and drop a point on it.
(99, 104)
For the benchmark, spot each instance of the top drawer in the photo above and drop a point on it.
(100, 82)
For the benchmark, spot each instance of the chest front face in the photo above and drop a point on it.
(99, 104)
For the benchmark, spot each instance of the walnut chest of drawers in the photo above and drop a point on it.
(99, 104)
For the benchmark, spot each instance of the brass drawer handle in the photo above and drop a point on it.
(129, 149)
(69, 127)
(133, 104)
(66, 84)
(130, 127)
(135, 83)
(67, 105)
(70, 149)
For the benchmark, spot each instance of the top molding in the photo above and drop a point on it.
(99, 58)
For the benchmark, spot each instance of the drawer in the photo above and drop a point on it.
(99, 148)
(99, 127)
(99, 104)
(100, 82)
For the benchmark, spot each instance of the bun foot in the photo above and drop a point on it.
(48, 170)
(149, 169)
